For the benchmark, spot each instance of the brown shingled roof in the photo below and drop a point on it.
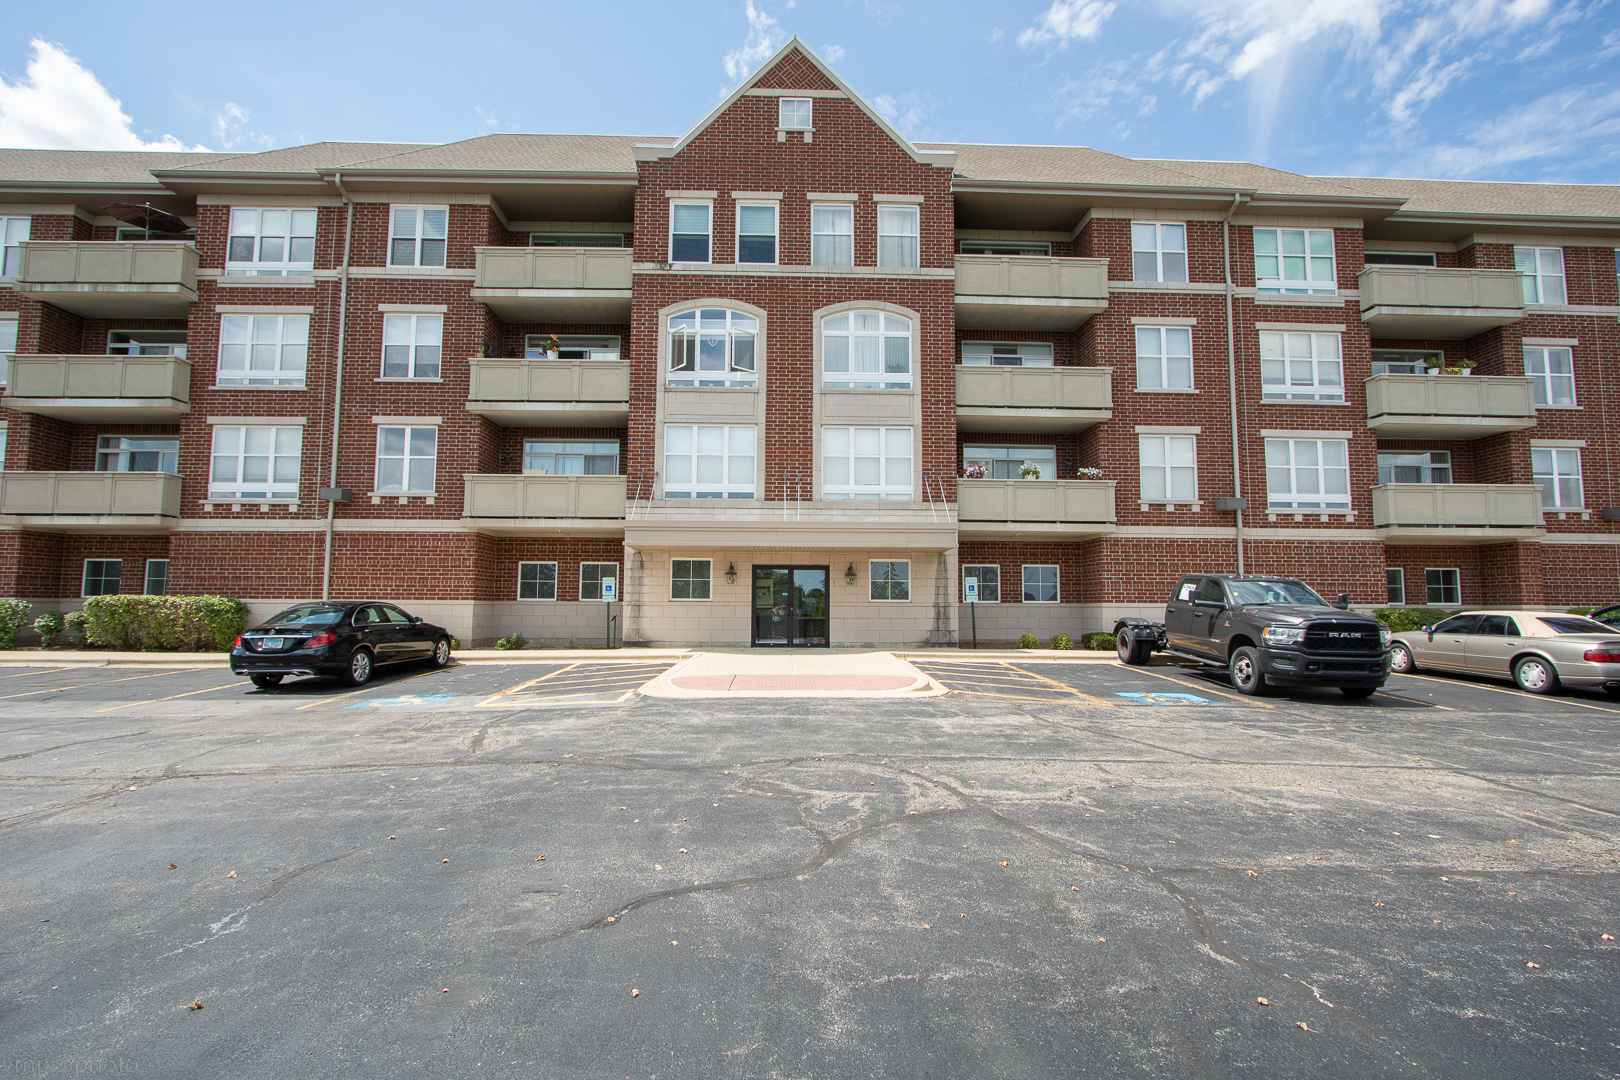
(1057, 165)
(93, 166)
(1491, 198)
(1243, 174)
(522, 153)
(311, 157)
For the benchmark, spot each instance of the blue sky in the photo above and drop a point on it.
(1472, 89)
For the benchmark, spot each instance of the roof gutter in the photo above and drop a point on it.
(337, 393)
(1238, 199)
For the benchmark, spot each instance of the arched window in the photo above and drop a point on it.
(712, 347)
(866, 350)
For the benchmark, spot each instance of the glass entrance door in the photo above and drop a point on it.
(790, 606)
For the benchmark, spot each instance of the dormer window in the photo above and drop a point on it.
(793, 113)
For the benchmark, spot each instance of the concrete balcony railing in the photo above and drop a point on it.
(1026, 292)
(1449, 406)
(106, 502)
(1032, 398)
(520, 505)
(555, 284)
(118, 280)
(91, 389)
(550, 393)
(1438, 305)
(1031, 509)
(1456, 513)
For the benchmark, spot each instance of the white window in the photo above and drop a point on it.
(8, 346)
(13, 231)
(1040, 584)
(255, 463)
(271, 243)
(756, 232)
(898, 232)
(713, 347)
(709, 461)
(866, 463)
(1442, 586)
(136, 453)
(1158, 251)
(537, 581)
(832, 235)
(4, 433)
(263, 350)
(411, 346)
(157, 577)
(406, 458)
(1300, 367)
(545, 457)
(1005, 247)
(1405, 363)
(1409, 467)
(1558, 471)
(571, 347)
(689, 579)
(147, 343)
(793, 113)
(1164, 358)
(1553, 373)
(1394, 585)
(989, 579)
(891, 581)
(1295, 261)
(1006, 354)
(689, 232)
(1543, 270)
(1169, 468)
(1308, 474)
(102, 577)
(866, 350)
(591, 577)
(1009, 462)
(417, 235)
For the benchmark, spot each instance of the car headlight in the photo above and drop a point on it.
(1283, 635)
(1384, 637)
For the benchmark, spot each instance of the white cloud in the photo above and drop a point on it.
(59, 104)
(832, 53)
(1065, 21)
(908, 113)
(997, 34)
(1576, 124)
(231, 129)
(764, 38)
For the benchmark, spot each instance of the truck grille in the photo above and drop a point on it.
(1339, 638)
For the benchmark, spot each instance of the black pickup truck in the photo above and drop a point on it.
(1264, 631)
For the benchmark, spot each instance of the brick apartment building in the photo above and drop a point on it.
(802, 373)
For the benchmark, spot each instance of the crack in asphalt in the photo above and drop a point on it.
(237, 919)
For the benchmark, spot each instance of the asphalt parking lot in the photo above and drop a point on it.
(1056, 869)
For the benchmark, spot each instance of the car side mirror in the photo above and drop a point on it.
(1342, 601)
(1430, 631)
(416, 620)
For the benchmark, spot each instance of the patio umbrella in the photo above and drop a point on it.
(147, 215)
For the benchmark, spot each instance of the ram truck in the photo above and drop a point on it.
(1265, 631)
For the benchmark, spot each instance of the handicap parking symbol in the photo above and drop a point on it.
(404, 701)
(1155, 698)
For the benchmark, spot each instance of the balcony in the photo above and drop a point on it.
(108, 389)
(1438, 305)
(1026, 292)
(1051, 399)
(1449, 406)
(551, 393)
(107, 280)
(1034, 509)
(90, 502)
(506, 504)
(808, 525)
(555, 284)
(1456, 513)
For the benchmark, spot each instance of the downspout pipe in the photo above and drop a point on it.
(337, 394)
(1238, 199)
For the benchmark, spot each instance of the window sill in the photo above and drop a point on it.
(1166, 390)
(222, 386)
(1559, 408)
(211, 504)
(687, 600)
(869, 600)
(1315, 299)
(1304, 401)
(825, 389)
(1195, 506)
(404, 497)
(537, 599)
(267, 281)
(406, 379)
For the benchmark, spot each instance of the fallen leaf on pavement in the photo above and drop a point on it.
(444, 860)
(539, 858)
(390, 838)
(172, 866)
(195, 1005)
(1253, 874)
(925, 926)
(635, 993)
(231, 874)
(1003, 862)
(1263, 1001)
(611, 919)
(657, 867)
(1531, 964)
(683, 851)
(674, 943)
(1608, 937)
(1302, 1027)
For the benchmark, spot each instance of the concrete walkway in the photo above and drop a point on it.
(792, 673)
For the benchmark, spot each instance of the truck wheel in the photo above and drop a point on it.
(1247, 678)
(1130, 650)
(1358, 691)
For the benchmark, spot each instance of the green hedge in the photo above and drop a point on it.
(1098, 642)
(13, 617)
(1401, 618)
(164, 623)
(1062, 641)
(1028, 641)
(513, 641)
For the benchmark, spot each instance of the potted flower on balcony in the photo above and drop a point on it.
(976, 471)
(550, 346)
(1029, 470)
(1086, 473)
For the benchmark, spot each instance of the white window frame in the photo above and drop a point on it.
(1394, 582)
(1154, 367)
(1544, 282)
(13, 231)
(535, 450)
(1162, 459)
(890, 327)
(285, 442)
(903, 249)
(406, 457)
(1287, 357)
(684, 457)
(737, 372)
(1011, 460)
(1549, 467)
(1057, 583)
(122, 446)
(1006, 354)
(145, 343)
(790, 105)
(775, 234)
(691, 580)
(1155, 233)
(146, 581)
(8, 347)
(585, 346)
(889, 488)
(1422, 460)
(419, 219)
(84, 579)
(889, 582)
(282, 339)
(539, 583)
(708, 235)
(418, 343)
(1541, 363)
(618, 583)
(290, 236)
(976, 570)
(824, 210)
(1292, 499)
(1309, 285)
(1429, 587)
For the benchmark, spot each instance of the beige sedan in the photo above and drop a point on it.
(1538, 650)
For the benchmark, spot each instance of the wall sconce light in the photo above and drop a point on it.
(506, 459)
(731, 573)
(849, 574)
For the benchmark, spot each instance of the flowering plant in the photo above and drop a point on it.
(550, 345)
(975, 472)
(1089, 474)
(1029, 470)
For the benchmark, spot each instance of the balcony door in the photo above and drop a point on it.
(790, 606)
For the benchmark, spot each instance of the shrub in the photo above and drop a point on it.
(1399, 619)
(13, 617)
(455, 644)
(73, 622)
(1099, 642)
(1580, 611)
(48, 626)
(164, 623)
(1062, 641)
(513, 641)
(1029, 641)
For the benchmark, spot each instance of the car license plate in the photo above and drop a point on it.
(270, 643)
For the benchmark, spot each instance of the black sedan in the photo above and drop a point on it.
(1608, 616)
(350, 640)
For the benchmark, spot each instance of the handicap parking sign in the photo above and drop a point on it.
(970, 587)
(609, 586)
